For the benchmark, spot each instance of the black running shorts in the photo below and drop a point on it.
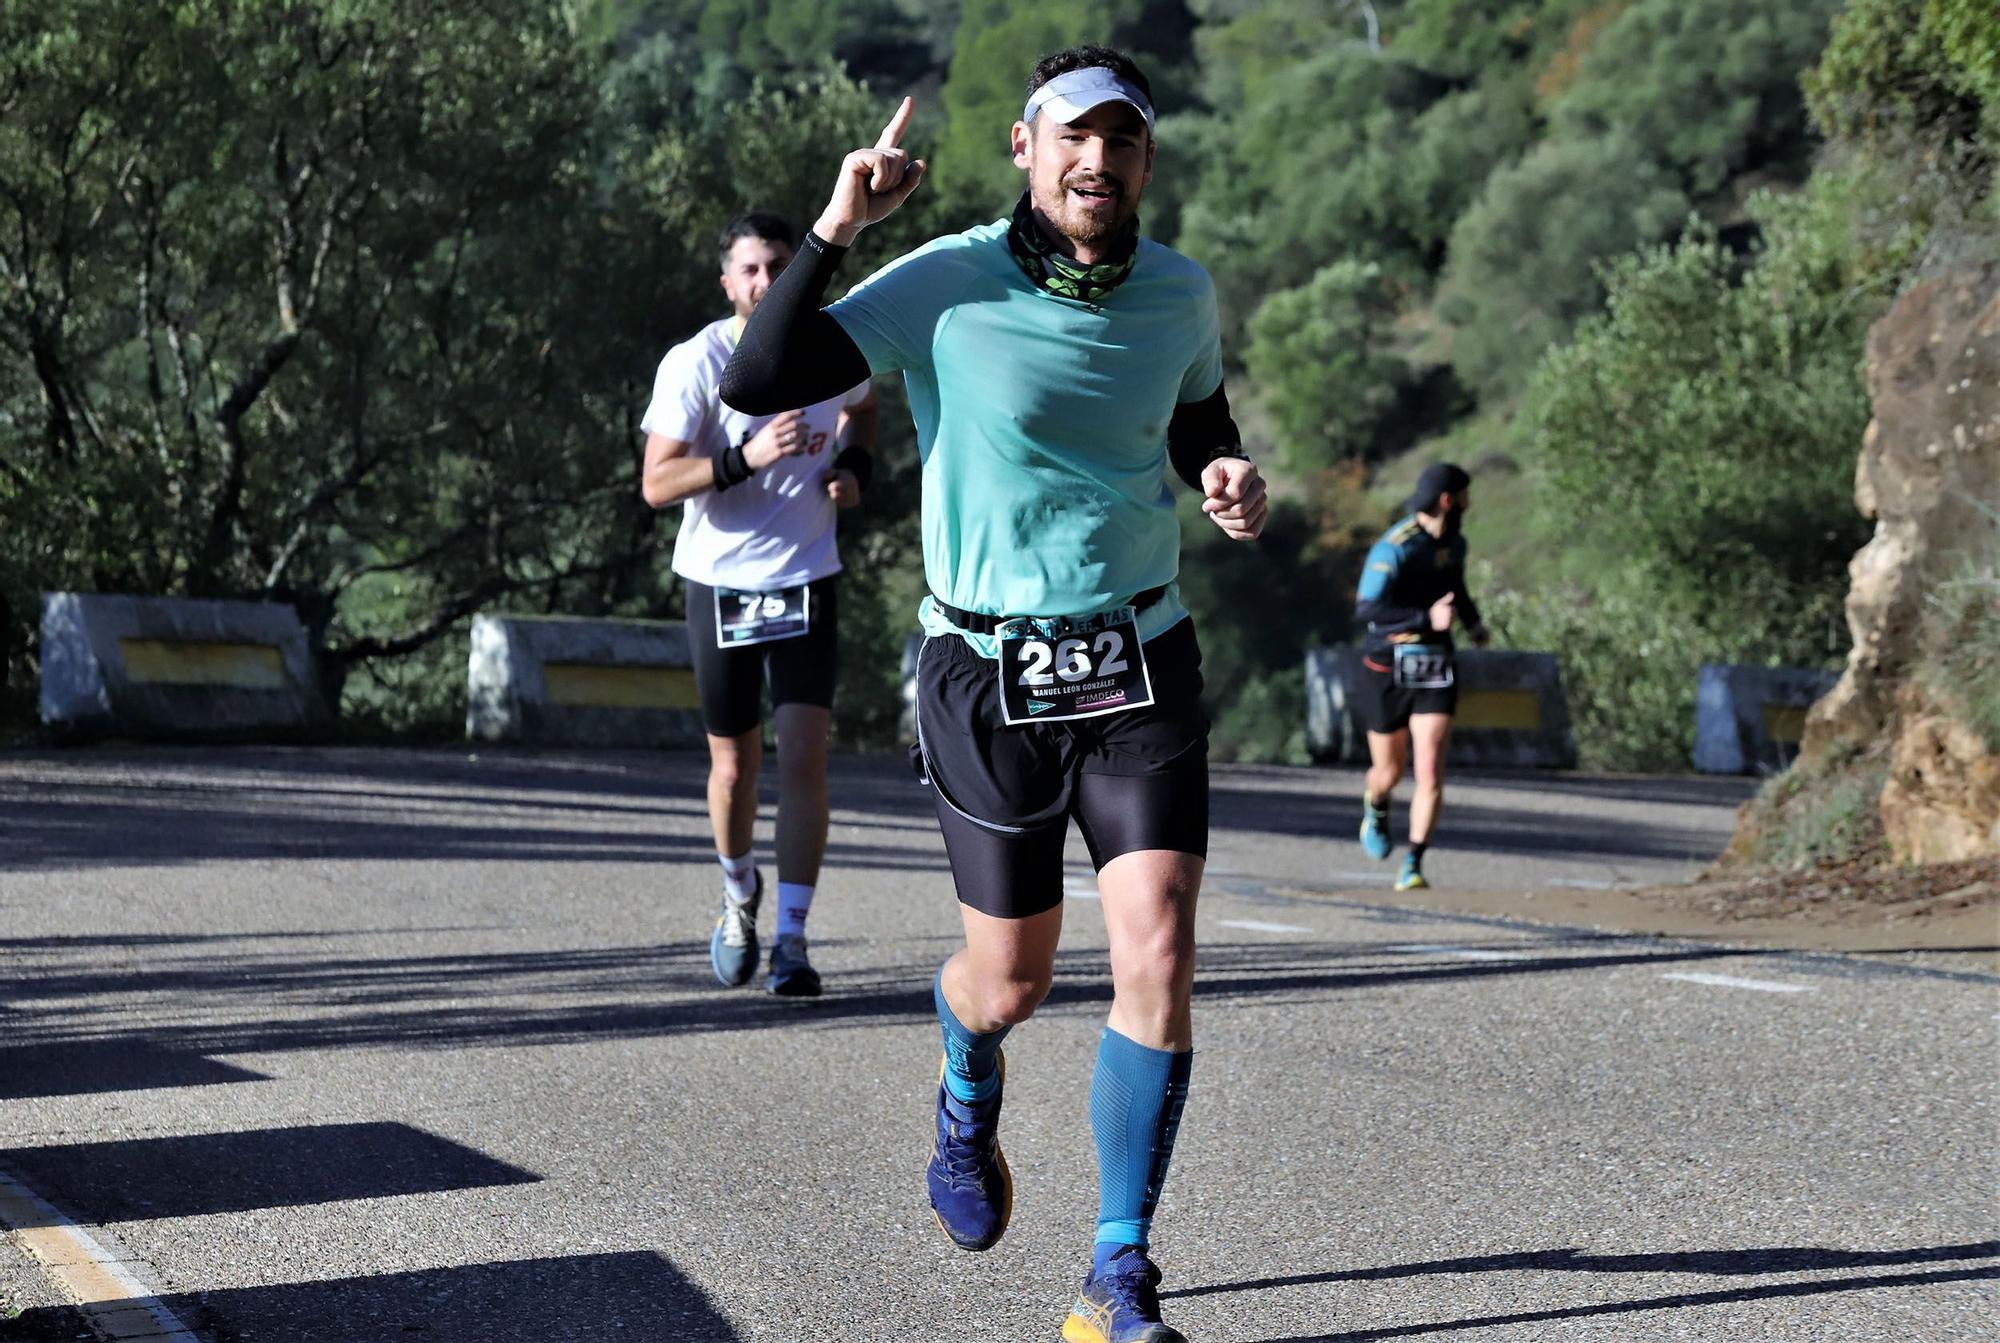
(1005, 794)
(731, 680)
(1384, 706)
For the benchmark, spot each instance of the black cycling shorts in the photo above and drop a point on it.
(1134, 780)
(1384, 706)
(731, 680)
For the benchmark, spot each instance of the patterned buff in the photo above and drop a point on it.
(1061, 276)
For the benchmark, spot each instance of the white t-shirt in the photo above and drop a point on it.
(774, 530)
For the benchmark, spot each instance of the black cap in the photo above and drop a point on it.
(1438, 478)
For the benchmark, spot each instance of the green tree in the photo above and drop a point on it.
(1523, 258)
(1320, 358)
(1707, 87)
(1697, 442)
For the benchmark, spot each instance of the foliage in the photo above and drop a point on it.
(1895, 66)
(1704, 431)
(305, 302)
(1522, 270)
(1709, 88)
(1318, 355)
(1959, 635)
(1264, 723)
(1818, 814)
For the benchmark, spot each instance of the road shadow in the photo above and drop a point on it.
(198, 1174)
(254, 1002)
(200, 806)
(1682, 1301)
(1722, 1263)
(636, 1297)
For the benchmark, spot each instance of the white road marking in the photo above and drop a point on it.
(117, 1304)
(1462, 953)
(1079, 889)
(1730, 982)
(1259, 926)
(1583, 883)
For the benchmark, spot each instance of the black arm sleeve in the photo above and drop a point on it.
(1200, 432)
(1468, 610)
(792, 354)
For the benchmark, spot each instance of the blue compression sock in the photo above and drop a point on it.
(971, 1058)
(1136, 1098)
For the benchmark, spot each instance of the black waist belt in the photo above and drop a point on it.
(974, 622)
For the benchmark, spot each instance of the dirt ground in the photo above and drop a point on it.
(1940, 907)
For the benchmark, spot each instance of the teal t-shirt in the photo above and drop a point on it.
(1041, 423)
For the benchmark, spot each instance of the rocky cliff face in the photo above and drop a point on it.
(1930, 477)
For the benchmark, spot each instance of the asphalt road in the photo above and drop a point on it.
(392, 1045)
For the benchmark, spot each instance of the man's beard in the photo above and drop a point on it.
(1088, 228)
(1454, 522)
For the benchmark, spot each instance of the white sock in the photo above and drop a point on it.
(739, 875)
(794, 900)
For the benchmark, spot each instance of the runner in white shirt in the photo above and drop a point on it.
(756, 549)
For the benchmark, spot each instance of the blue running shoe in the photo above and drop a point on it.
(1411, 878)
(1375, 830)
(1120, 1305)
(792, 975)
(971, 1189)
(732, 947)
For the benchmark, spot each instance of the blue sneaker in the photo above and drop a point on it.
(1120, 1305)
(971, 1189)
(732, 947)
(1375, 830)
(1411, 878)
(792, 975)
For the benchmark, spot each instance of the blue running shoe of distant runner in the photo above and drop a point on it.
(1375, 830)
(1120, 1304)
(971, 1189)
(732, 947)
(1411, 878)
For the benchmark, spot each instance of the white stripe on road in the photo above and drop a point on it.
(1583, 883)
(1259, 926)
(118, 1305)
(1079, 889)
(1462, 953)
(1730, 982)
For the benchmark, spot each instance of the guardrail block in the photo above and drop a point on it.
(121, 665)
(571, 681)
(1750, 720)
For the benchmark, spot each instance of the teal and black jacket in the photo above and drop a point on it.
(1403, 577)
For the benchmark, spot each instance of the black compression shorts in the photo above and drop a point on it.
(731, 680)
(1134, 780)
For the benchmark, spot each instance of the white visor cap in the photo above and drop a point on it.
(1071, 94)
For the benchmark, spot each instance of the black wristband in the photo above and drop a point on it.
(730, 466)
(858, 460)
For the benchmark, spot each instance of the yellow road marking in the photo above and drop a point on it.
(118, 1305)
(586, 685)
(237, 666)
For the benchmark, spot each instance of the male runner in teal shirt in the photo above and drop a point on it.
(1057, 365)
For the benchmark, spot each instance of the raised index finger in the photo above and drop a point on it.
(897, 124)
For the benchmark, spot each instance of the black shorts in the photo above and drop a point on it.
(1384, 706)
(731, 680)
(1005, 794)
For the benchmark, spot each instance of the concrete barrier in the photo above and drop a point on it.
(115, 665)
(1512, 712)
(558, 680)
(1750, 720)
